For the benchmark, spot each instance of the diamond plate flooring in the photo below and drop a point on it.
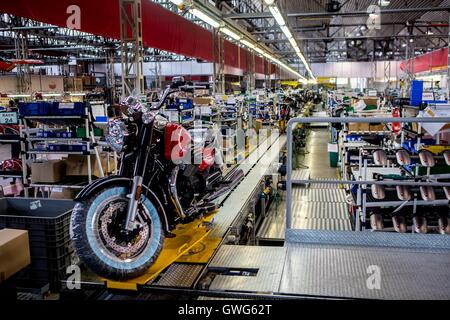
(267, 260)
(315, 206)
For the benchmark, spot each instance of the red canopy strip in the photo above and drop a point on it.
(427, 62)
(162, 29)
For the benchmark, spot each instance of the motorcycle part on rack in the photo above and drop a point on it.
(399, 222)
(101, 241)
(403, 193)
(403, 157)
(107, 182)
(376, 221)
(426, 158)
(380, 158)
(420, 223)
(444, 224)
(378, 191)
(446, 155)
(427, 193)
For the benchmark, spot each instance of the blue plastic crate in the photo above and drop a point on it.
(68, 109)
(181, 104)
(40, 108)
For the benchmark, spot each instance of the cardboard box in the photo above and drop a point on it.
(353, 126)
(364, 126)
(77, 165)
(376, 127)
(203, 101)
(14, 252)
(49, 171)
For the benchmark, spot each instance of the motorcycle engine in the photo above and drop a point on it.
(190, 185)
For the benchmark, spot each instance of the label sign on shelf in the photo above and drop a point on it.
(372, 93)
(428, 96)
(70, 105)
(9, 118)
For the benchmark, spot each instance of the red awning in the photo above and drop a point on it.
(162, 29)
(434, 60)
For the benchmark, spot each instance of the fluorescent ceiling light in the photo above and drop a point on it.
(204, 17)
(230, 33)
(286, 31)
(259, 50)
(277, 15)
(293, 43)
(248, 44)
(19, 95)
(52, 94)
(177, 2)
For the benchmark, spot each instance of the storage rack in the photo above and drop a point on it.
(13, 118)
(67, 143)
(364, 200)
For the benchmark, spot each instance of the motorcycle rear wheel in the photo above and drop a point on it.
(100, 240)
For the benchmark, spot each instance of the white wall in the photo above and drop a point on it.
(355, 69)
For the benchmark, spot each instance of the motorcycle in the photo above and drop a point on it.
(119, 223)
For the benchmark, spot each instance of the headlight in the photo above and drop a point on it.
(115, 135)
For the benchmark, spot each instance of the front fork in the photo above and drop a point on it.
(135, 196)
(138, 176)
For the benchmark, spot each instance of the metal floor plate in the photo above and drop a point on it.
(318, 195)
(268, 261)
(179, 275)
(336, 271)
(340, 264)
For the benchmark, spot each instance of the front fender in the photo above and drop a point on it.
(101, 184)
(106, 182)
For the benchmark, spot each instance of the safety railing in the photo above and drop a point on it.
(302, 120)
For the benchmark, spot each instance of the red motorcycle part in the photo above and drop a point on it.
(176, 142)
(396, 126)
(208, 158)
(11, 165)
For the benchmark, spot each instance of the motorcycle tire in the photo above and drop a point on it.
(101, 251)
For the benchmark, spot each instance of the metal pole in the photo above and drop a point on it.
(448, 67)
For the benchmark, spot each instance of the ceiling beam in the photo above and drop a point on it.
(266, 15)
(330, 39)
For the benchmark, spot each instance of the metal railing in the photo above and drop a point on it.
(301, 120)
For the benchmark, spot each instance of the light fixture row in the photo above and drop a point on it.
(275, 11)
(221, 25)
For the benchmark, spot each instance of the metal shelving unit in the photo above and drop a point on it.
(52, 123)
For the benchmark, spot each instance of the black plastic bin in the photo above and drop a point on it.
(47, 222)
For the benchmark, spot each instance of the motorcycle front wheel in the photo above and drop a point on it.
(105, 246)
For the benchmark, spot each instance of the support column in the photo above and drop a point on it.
(23, 70)
(131, 46)
(219, 63)
(448, 67)
(110, 76)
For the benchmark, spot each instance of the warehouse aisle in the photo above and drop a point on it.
(317, 206)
